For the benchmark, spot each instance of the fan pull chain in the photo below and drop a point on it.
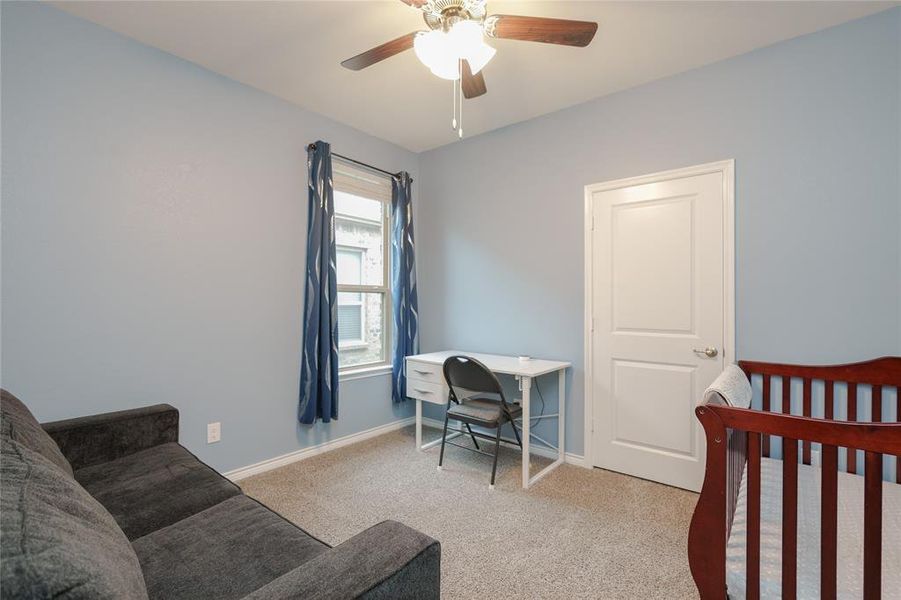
(457, 89)
(454, 117)
(460, 94)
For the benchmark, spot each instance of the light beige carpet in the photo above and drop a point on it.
(578, 533)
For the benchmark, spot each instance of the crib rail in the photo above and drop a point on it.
(874, 374)
(738, 438)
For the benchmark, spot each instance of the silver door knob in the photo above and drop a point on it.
(709, 352)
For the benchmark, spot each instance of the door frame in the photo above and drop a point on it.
(727, 168)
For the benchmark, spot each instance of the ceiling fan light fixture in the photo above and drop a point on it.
(469, 44)
(466, 36)
(434, 50)
(480, 57)
(449, 71)
(441, 50)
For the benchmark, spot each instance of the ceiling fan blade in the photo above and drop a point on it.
(541, 29)
(380, 53)
(473, 85)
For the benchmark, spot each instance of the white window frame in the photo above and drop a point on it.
(352, 179)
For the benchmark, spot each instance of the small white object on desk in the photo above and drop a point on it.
(425, 383)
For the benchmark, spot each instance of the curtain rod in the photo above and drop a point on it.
(359, 163)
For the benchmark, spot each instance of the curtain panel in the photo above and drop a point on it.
(403, 284)
(319, 355)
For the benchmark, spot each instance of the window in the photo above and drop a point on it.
(351, 315)
(362, 202)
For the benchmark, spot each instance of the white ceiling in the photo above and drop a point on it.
(293, 50)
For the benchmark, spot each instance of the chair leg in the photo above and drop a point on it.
(443, 439)
(468, 428)
(516, 433)
(497, 448)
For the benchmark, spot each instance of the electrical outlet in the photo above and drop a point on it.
(213, 432)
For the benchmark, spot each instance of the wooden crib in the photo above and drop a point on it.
(830, 426)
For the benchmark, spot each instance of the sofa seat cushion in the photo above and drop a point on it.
(153, 488)
(226, 551)
(56, 541)
(18, 424)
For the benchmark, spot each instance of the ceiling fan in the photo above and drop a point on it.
(454, 47)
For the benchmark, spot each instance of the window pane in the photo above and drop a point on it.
(349, 298)
(361, 330)
(349, 262)
(350, 323)
(358, 225)
(357, 207)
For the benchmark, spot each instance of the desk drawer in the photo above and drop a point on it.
(423, 371)
(427, 392)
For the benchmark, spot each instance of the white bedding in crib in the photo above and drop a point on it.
(850, 535)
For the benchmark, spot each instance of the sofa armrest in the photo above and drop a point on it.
(91, 440)
(387, 561)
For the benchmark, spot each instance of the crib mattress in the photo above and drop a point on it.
(850, 535)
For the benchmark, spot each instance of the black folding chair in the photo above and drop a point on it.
(463, 373)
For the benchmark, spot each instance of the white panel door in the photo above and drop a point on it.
(658, 305)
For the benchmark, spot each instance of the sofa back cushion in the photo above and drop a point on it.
(17, 423)
(56, 541)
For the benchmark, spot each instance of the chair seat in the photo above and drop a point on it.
(482, 411)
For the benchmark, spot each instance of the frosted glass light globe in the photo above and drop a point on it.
(469, 44)
(441, 51)
(435, 50)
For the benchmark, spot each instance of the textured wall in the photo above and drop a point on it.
(813, 125)
(154, 227)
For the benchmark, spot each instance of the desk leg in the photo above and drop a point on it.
(526, 389)
(561, 441)
(561, 411)
(451, 433)
(419, 425)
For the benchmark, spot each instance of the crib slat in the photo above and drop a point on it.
(786, 406)
(872, 526)
(753, 567)
(876, 404)
(829, 522)
(786, 395)
(789, 519)
(766, 408)
(830, 399)
(805, 445)
(852, 416)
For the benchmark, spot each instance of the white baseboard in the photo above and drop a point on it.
(571, 459)
(309, 451)
(576, 460)
(353, 438)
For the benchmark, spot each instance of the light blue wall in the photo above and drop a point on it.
(154, 224)
(813, 125)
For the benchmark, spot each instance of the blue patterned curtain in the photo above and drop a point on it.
(403, 284)
(319, 356)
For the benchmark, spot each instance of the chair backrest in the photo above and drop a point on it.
(465, 372)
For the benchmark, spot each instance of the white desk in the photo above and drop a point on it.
(425, 383)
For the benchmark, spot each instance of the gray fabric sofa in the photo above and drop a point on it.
(111, 506)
